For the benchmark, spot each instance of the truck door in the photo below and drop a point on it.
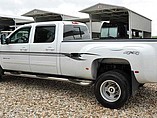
(15, 55)
(43, 57)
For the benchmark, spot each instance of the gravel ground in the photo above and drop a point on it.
(34, 98)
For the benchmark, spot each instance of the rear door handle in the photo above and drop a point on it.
(50, 49)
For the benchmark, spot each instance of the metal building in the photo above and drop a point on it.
(137, 25)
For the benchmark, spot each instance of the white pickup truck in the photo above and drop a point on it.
(64, 49)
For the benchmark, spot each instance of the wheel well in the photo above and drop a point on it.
(100, 66)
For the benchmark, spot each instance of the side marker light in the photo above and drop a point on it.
(136, 71)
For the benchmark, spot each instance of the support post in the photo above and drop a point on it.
(90, 20)
(130, 25)
(142, 34)
(15, 23)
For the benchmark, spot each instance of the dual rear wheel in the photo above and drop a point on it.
(112, 89)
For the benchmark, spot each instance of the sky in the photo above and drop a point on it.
(146, 8)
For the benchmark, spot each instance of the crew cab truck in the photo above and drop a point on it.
(64, 49)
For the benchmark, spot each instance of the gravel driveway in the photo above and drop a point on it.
(34, 98)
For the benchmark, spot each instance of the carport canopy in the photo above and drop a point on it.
(7, 21)
(42, 16)
(118, 14)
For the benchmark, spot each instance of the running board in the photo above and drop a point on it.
(74, 81)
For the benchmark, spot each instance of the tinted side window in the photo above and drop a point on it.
(44, 34)
(21, 35)
(75, 32)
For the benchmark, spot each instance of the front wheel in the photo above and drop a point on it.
(112, 89)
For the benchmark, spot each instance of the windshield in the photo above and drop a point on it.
(109, 32)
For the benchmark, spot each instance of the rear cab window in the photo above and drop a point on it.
(75, 32)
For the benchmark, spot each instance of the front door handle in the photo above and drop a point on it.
(23, 49)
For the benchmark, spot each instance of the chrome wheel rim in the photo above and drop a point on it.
(110, 91)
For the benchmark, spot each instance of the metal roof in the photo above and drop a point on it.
(38, 12)
(100, 7)
(105, 12)
(41, 15)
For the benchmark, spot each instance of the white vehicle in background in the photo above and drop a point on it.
(64, 49)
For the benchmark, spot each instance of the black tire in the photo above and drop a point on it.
(1, 74)
(141, 85)
(112, 89)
